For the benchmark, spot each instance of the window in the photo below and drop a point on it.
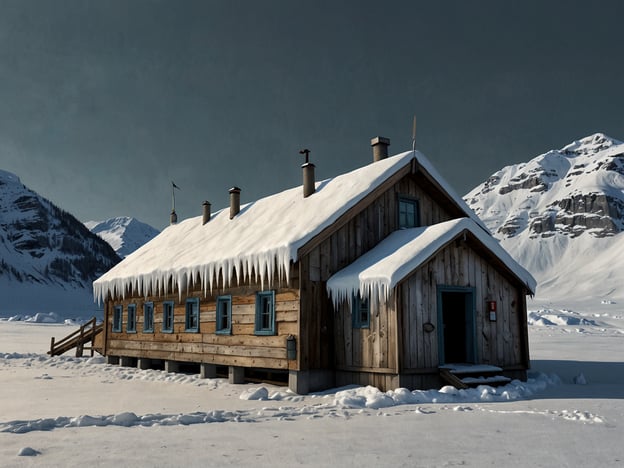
(131, 325)
(117, 311)
(224, 315)
(265, 313)
(148, 317)
(191, 321)
(167, 324)
(408, 213)
(360, 312)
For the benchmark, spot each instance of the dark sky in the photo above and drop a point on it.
(103, 103)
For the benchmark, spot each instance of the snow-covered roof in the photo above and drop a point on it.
(264, 237)
(378, 271)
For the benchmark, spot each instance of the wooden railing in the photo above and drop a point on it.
(87, 332)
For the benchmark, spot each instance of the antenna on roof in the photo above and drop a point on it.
(414, 135)
(174, 216)
(173, 187)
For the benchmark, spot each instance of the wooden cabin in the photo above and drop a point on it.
(380, 276)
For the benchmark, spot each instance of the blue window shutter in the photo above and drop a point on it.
(167, 323)
(224, 315)
(117, 313)
(131, 325)
(265, 313)
(191, 320)
(148, 317)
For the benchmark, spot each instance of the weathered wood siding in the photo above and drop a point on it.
(501, 343)
(372, 349)
(326, 337)
(242, 348)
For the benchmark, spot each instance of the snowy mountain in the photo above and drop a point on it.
(48, 259)
(561, 215)
(124, 234)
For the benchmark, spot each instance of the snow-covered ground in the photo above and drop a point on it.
(70, 411)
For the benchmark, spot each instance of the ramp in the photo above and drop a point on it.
(89, 332)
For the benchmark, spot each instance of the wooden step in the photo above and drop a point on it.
(464, 376)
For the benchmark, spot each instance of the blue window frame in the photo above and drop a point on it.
(224, 315)
(408, 213)
(191, 317)
(360, 311)
(148, 317)
(117, 311)
(265, 313)
(131, 325)
(167, 323)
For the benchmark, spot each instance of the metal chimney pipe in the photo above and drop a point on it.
(205, 212)
(234, 201)
(308, 179)
(380, 148)
(308, 174)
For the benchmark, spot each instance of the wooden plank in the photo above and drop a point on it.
(325, 260)
(287, 328)
(394, 335)
(304, 318)
(245, 351)
(245, 361)
(340, 347)
(430, 309)
(245, 340)
(147, 346)
(417, 343)
(384, 337)
(315, 264)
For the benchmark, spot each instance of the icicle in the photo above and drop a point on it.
(211, 273)
(249, 268)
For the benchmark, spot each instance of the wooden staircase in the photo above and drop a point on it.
(89, 332)
(472, 375)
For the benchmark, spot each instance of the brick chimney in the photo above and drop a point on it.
(380, 148)
(234, 201)
(308, 174)
(205, 212)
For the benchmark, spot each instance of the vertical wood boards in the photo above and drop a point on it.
(501, 342)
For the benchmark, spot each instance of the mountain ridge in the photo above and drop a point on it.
(48, 250)
(561, 215)
(124, 234)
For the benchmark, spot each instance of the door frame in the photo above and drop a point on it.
(470, 319)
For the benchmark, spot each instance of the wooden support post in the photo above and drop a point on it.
(52, 346)
(93, 336)
(236, 375)
(299, 382)
(80, 342)
(207, 371)
(172, 366)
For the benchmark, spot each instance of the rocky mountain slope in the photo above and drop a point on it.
(124, 234)
(561, 215)
(48, 259)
